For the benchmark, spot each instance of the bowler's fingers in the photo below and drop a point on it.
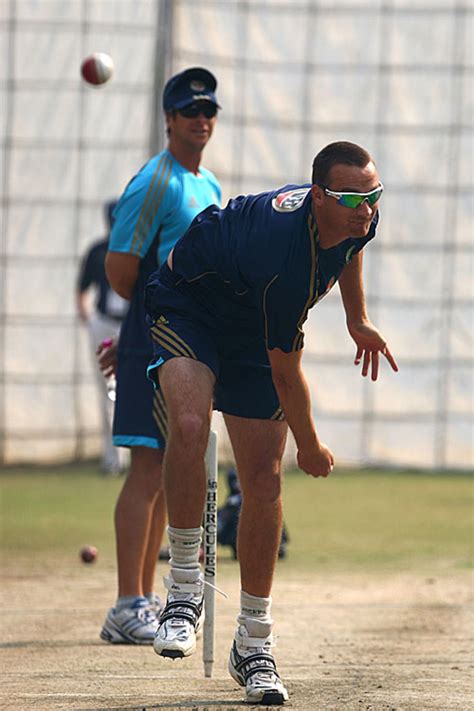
(390, 359)
(375, 365)
(366, 363)
(358, 356)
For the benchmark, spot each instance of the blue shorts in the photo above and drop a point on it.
(140, 413)
(229, 340)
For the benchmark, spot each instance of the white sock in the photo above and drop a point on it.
(152, 597)
(184, 553)
(255, 614)
(127, 601)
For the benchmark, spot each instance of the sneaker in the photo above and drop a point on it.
(251, 664)
(180, 620)
(130, 625)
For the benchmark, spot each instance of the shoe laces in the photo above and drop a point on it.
(147, 615)
(188, 591)
(142, 610)
(154, 602)
(214, 587)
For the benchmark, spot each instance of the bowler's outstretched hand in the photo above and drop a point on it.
(370, 343)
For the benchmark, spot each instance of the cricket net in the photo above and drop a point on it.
(395, 77)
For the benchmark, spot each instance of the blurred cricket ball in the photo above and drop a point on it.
(98, 68)
(88, 554)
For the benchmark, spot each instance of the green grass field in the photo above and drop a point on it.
(354, 520)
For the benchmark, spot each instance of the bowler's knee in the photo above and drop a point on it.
(190, 429)
(264, 488)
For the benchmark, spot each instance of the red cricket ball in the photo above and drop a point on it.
(88, 554)
(97, 68)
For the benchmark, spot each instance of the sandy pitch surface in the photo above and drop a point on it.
(392, 641)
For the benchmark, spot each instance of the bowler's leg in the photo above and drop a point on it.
(187, 386)
(258, 448)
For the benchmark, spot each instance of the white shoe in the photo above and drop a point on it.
(251, 664)
(130, 625)
(180, 620)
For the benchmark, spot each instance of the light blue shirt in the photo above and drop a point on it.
(162, 199)
(154, 211)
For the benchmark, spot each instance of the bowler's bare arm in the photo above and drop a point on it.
(313, 456)
(369, 341)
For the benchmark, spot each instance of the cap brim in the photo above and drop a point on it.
(187, 102)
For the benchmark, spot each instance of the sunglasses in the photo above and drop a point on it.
(354, 200)
(193, 110)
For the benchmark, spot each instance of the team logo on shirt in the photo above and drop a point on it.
(290, 201)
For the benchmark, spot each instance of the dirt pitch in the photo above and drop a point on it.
(398, 641)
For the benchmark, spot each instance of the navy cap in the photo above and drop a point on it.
(195, 84)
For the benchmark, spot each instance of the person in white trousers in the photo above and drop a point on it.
(103, 322)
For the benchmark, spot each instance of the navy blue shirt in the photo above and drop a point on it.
(92, 273)
(259, 258)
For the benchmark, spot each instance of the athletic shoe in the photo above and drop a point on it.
(180, 620)
(251, 664)
(130, 625)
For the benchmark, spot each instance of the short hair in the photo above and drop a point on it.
(340, 152)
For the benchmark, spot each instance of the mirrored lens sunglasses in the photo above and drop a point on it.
(203, 107)
(353, 200)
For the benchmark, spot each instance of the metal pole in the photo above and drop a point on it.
(210, 555)
(162, 67)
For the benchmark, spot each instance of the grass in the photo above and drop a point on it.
(381, 519)
(355, 520)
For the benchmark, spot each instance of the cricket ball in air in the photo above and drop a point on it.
(97, 68)
(88, 554)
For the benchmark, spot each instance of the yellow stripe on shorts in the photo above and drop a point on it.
(170, 340)
(278, 415)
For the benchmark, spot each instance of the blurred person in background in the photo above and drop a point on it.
(228, 518)
(103, 319)
(155, 209)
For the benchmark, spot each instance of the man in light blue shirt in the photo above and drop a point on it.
(155, 209)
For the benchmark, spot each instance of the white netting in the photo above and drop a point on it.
(395, 77)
